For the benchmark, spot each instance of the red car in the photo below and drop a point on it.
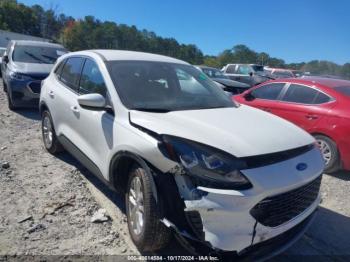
(321, 106)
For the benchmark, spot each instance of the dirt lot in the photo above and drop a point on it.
(46, 203)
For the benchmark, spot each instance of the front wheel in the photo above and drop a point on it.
(145, 229)
(4, 86)
(49, 135)
(10, 103)
(329, 152)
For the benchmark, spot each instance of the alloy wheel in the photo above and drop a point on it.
(325, 150)
(47, 131)
(136, 206)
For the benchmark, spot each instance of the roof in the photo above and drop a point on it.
(36, 43)
(112, 55)
(329, 82)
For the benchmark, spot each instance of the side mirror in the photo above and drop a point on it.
(248, 96)
(94, 102)
(5, 58)
(251, 74)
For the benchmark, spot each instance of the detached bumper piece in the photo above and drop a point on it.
(277, 210)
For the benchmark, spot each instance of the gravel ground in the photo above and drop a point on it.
(46, 203)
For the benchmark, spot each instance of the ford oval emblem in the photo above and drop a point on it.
(301, 166)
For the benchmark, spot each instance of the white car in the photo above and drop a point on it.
(187, 157)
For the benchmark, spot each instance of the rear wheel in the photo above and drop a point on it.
(145, 229)
(329, 152)
(49, 135)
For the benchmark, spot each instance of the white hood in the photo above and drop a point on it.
(242, 131)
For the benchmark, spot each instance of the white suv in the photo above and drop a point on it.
(187, 157)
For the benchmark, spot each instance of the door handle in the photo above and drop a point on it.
(74, 109)
(311, 117)
(51, 94)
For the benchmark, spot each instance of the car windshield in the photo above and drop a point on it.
(213, 73)
(345, 90)
(2, 51)
(162, 87)
(37, 54)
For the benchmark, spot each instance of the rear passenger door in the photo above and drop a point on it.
(63, 96)
(303, 105)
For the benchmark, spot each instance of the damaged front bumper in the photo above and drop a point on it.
(224, 221)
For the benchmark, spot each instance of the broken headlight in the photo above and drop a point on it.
(207, 166)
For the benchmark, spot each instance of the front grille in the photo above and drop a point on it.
(35, 87)
(276, 210)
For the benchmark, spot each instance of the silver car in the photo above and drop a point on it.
(25, 65)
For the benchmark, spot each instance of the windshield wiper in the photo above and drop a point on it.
(35, 57)
(150, 109)
(50, 57)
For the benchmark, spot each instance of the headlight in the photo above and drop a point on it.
(18, 76)
(207, 166)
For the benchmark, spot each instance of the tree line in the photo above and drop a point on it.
(91, 33)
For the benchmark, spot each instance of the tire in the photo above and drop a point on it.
(50, 140)
(152, 235)
(329, 147)
(11, 106)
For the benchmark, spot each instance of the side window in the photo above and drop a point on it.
(59, 68)
(230, 69)
(269, 91)
(243, 70)
(91, 79)
(321, 98)
(300, 94)
(71, 72)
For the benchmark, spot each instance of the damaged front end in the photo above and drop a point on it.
(212, 199)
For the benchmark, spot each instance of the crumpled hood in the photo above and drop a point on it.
(31, 68)
(242, 131)
(231, 83)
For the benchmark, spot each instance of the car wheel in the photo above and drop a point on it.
(329, 152)
(145, 229)
(10, 101)
(49, 136)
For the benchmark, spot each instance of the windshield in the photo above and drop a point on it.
(158, 86)
(345, 90)
(2, 51)
(37, 54)
(213, 73)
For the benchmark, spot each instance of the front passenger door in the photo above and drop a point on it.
(265, 96)
(95, 127)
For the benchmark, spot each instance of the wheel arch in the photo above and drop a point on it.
(119, 169)
(42, 107)
(340, 161)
